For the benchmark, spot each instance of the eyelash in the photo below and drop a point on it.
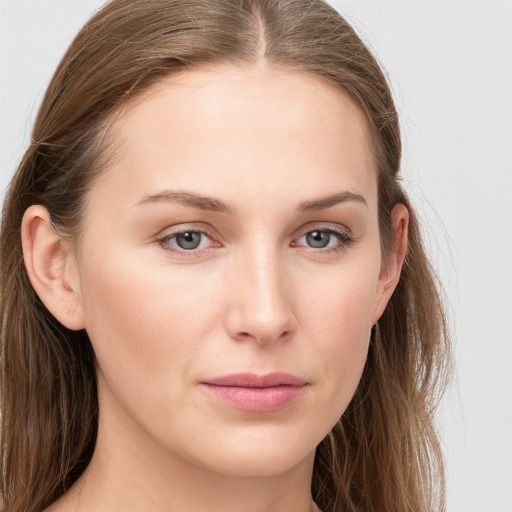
(345, 240)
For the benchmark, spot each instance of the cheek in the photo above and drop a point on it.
(340, 303)
(144, 321)
(338, 321)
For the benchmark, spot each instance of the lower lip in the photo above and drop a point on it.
(266, 399)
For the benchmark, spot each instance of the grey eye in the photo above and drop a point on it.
(188, 239)
(318, 239)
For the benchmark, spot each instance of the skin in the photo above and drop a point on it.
(255, 296)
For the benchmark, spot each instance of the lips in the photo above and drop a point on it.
(256, 393)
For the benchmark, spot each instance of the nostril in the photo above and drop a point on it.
(263, 340)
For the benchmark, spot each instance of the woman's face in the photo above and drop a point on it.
(230, 267)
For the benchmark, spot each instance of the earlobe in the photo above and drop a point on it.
(391, 269)
(51, 267)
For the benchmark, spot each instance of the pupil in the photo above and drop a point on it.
(188, 240)
(318, 239)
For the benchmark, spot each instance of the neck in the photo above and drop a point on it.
(130, 471)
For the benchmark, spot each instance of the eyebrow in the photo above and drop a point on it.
(189, 199)
(329, 201)
(216, 205)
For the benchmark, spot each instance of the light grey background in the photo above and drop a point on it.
(450, 66)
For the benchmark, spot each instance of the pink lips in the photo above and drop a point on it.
(256, 393)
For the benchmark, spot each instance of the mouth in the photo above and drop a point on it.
(256, 393)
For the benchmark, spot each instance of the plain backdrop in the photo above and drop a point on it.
(450, 66)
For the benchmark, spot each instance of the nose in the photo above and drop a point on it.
(260, 303)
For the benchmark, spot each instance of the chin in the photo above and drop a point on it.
(260, 463)
(259, 451)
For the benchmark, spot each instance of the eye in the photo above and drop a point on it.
(186, 241)
(318, 239)
(328, 239)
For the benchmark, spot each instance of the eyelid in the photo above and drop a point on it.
(325, 226)
(183, 228)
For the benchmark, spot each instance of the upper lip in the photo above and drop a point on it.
(252, 380)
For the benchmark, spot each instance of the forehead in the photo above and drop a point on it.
(230, 131)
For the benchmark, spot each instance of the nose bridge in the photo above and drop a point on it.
(261, 301)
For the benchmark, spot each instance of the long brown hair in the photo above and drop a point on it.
(383, 454)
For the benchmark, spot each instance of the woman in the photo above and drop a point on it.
(214, 292)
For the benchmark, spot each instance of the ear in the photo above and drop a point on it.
(51, 267)
(392, 266)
